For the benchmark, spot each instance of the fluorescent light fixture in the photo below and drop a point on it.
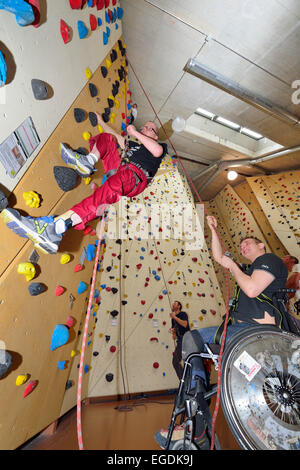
(232, 175)
(253, 134)
(231, 124)
(205, 113)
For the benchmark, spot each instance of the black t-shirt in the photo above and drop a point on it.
(137, 153)
(247, 308)
(179, 329)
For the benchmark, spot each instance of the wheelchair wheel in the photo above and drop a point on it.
(260, 390)
(180, 445)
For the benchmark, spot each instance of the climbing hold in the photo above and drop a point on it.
(90, 252)
(82, 287)
(76, 4)
(22, 10)
(27, 269)
(21, 379)
(156, 365)
(3, 70)
(112, 349)
(88, 73)
(154, 339)
(60, 336)
(104, 71)
(93, 119)
(114, 313)
(82, 30)
(66, 178)
(79, 115)
(30, 387)
(64, 259)
(36, 288)
(5, 362)
(105, 38)
(31, 199)
(35, 4)
(109, 377)
(69, 384)
(78, 267)
(86, 135)
(65, 31)
(40, 89)
(70, 322)
(93, 90)
(59, 291)
(86, 369)
(93, 22)
(61, 365)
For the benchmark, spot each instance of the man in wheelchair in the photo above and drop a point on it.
(254, 304)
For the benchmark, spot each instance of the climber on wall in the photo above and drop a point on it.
(180, 325)
(127, 176)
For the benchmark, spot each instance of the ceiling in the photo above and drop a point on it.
(253, 43)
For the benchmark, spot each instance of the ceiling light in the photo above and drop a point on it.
(205, 113)
(231, 124)
(253, 134)
(232, 175)
(178, 124)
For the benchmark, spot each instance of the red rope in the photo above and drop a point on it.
(215, 413)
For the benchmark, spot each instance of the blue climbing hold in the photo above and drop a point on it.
(107, 18)
(23, 11)
(120, 13)
(60, 336)
(3, 70)
(90, 252)
(82, 287)
(82, 30)
(61, 365)
(86, 368)
(107, 31)
(99, 22)
(105, 38)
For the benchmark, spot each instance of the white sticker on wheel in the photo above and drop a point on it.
(247, 366)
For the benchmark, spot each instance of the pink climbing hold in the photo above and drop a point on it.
(70, 322)
(30, 387)
(59, 290)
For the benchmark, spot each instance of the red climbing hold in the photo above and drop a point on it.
(112, 349)
(64, 31)
(100, 4)
(30, 387)
(106, 3)
(143, 302)
(78, 267)
(70, 322)
(155, 365)
(35, 4)
(59, 290)
(138, 266)
(150, 315)
(75, 4)
(194, 259)
(93, 22)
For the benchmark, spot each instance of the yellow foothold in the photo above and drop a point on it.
(31, 199)
(73, 353)
(117, 104)
(112, 120)
(21, 379)
(88, 73)
(87, 180)
(100, 129)
(64, 259)
(86, 135)
(108, 63)
(27, 269)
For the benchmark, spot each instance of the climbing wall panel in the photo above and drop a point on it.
(27, 322)
(278, 196)
(141, 276)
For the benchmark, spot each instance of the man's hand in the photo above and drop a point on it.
(131, 130)
(172, 315)
(212, 222)
(226, 262)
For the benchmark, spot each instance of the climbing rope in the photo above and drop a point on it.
(83, 346)
(215, 413)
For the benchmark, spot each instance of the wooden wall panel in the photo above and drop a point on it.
(27, 323)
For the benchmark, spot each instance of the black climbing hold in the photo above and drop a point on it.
(105, 117)
(119, 241)
(3, 201)
(124, 302)
(40, 89)
(110, 102)
(107, 338)
(93, 90)
(114, 290)
(113, 55)
(95, 353)
(36, 288)
(109, 377)
(114, 313)
(5, 362)
(79, 115)
(104, 71)
(66, 178)
(203, 311)
(93, 119)
(69, 384)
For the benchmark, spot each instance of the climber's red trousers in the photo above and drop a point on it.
(122, 183)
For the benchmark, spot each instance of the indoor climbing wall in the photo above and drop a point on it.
(278, 196)
(41, 326)
(147, 265)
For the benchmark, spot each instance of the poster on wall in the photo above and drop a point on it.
(18, 147)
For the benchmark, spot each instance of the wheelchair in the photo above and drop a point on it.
(260, 391)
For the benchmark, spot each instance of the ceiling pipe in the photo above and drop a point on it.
(214, 78)
(222, 165)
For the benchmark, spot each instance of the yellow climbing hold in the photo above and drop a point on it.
(31, 199)
(100, 128)
(88, 73)
(86, 135)
(108, 63)
(21, 379)
(64, 259)
(27, 269)
(87, 180)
